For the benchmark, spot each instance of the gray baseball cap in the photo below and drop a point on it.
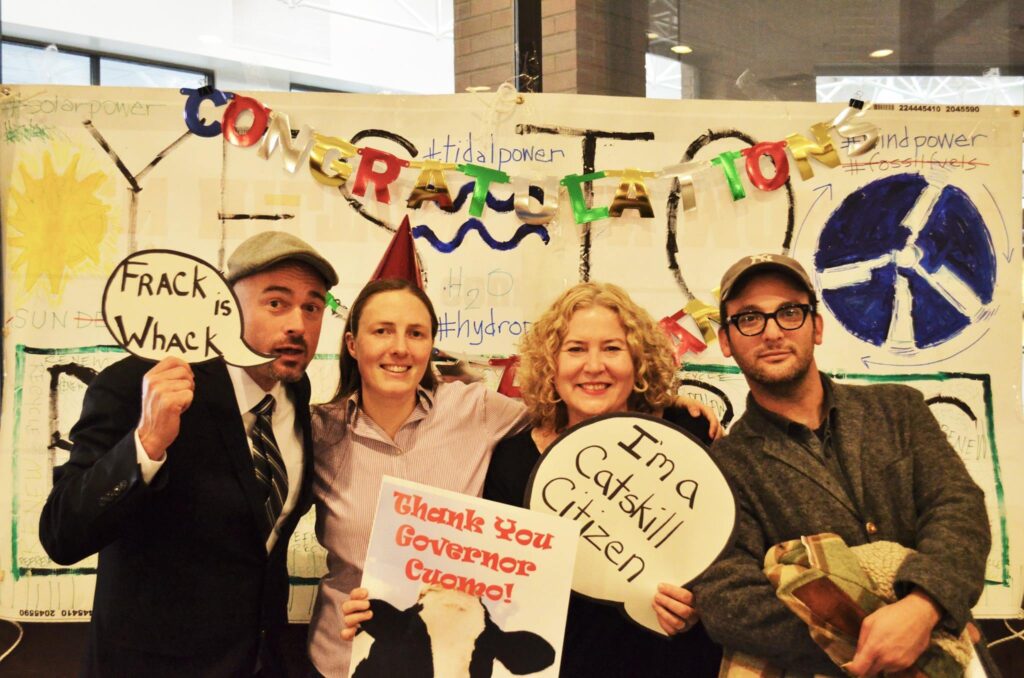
(763, 262)
(268, 248)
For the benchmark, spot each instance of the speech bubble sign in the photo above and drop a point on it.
(650, 503)
(161, 303)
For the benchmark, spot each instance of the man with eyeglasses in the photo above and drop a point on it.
(812, 456)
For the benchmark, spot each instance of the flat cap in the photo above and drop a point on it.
(759, 263)
(269, 248)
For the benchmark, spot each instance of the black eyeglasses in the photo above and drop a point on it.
(752, 323)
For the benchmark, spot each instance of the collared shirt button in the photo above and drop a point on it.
(871, 527)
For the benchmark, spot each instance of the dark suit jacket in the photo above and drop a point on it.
(184, 582)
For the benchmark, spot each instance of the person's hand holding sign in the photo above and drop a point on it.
(167, 392)
(674, 607)
(356, 610)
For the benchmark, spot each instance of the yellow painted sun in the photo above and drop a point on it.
(57, 222)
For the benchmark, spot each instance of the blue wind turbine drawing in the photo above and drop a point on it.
(906, 263)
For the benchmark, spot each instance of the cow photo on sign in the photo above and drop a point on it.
(448, 632)
(648, 502)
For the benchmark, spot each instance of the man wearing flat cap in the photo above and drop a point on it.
(811, 456)
(189, 480)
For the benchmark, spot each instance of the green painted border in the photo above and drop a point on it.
(19, 375)
(20, 351)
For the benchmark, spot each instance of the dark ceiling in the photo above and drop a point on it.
(783, 44)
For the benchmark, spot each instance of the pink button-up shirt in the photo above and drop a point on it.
(446, 442)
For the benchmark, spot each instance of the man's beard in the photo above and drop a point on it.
(281, 373)
(285, 376)
(779, 382)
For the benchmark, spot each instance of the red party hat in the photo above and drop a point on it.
(399, 260)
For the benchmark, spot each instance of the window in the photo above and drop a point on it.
(297, 87)
(989, 89)
(34, 63)
(125, 73)
(30, 64)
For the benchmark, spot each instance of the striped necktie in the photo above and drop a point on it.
(266, 458)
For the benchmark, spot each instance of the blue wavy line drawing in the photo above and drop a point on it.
(425, 232)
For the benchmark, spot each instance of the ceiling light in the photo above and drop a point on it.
(682, 49)
(880, 53)
(652, 36)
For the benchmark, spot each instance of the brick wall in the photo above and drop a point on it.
(484, 43)
(589, 46)
(595, 46)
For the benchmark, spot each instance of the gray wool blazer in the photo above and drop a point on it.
(907, 482)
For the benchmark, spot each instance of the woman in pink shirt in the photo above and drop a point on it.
(390, 416)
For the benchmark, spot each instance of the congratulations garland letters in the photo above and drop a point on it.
(327, 158)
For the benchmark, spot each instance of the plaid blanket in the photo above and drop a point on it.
(832, 588)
